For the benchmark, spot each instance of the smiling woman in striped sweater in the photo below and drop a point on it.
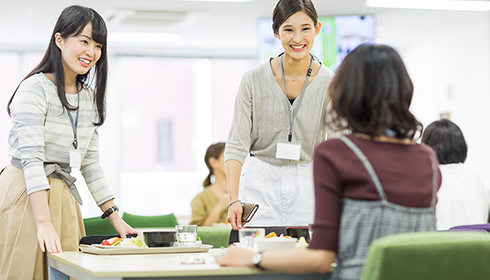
(55, 118)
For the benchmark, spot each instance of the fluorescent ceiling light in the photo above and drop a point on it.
(431, 4)
(218, 0)
(143, 37)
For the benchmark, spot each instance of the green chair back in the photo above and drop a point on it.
(216, 236)
(429, 255)
(160, 221)
(98, 226)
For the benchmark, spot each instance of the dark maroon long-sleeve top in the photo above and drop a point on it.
(404, 170)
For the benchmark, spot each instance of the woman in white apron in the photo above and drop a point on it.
(279, 118)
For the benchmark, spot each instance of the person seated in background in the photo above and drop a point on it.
(209, 206)
(462, 198)
(374, 182)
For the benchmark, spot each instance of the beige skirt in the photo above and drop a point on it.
(20, 254)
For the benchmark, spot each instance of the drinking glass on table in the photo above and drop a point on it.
(310, 230)
(186, 233)
(247, 236)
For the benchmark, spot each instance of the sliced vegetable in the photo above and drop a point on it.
(272, 234)
(128, 242)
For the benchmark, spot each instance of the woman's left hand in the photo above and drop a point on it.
(120, 225)
(237, 257)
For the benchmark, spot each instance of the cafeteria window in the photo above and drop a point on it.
(171, 109)
(19, 65)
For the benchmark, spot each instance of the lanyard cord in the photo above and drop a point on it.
(74, 125)
(291, 121)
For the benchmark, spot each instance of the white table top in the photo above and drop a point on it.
(87, 266)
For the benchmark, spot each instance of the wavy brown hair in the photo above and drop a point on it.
(371, 94)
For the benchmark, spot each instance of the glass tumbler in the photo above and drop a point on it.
(186, 233)
(247, 236)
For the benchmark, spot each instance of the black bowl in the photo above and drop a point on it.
(159, 238)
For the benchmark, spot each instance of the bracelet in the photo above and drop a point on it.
(229, 204)
(109, 211)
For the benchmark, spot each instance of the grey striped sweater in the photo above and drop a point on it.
(41, 132)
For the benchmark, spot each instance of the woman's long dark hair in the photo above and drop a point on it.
(71, 22)
(371, 94)
(215, 150)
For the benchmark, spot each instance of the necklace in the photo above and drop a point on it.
(294, 79)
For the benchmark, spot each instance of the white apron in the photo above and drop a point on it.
(285, 194)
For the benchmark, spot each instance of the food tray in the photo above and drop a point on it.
(111, 250)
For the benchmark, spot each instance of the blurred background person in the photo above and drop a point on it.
(209, 206)
(462, 198)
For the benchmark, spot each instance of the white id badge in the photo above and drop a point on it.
(288, 150)
(75, 159)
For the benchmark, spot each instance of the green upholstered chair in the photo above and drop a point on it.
(216, 236)
(98, 226)
(429, 255)
(159, 221)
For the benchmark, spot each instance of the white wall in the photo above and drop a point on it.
(447, 55)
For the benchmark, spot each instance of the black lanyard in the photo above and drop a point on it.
(291, 121)
(74, 125)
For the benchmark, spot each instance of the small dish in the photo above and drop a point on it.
(188, 244)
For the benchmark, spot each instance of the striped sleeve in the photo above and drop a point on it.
(29, 108)
(93, 174)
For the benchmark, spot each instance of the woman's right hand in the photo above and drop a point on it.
(235, 215)
(46, 234)
(48, 238)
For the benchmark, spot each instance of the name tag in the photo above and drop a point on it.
(75, 159)
(288, 151)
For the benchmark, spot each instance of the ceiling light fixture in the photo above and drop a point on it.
(431, 5)
(143, 37)
(218, 0)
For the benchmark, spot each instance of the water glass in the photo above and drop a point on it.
(247, 236)
(310, 230)
(186, 233)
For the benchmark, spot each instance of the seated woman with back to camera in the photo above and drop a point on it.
(462, 198)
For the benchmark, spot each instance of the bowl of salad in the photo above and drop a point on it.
(127, 242)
